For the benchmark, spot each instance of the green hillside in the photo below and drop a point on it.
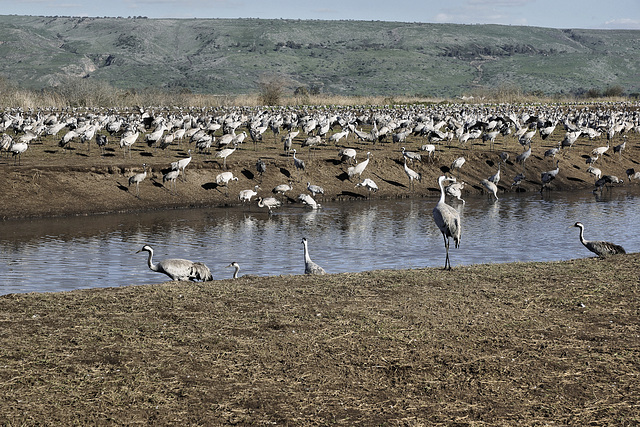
(228, 56)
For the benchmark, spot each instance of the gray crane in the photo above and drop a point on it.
(491, 187)
(224, 178)
(448, 220)
(599, 247)
(17, 148)
(455, 190)
(224, 153)
(309, 201)
(411, 155)
(315, 189)
(178, 269)
(171, 177)
(457, 164)
(261, 167)
(411, 174)
(495, 178)
(310, 267)
(138, 178)
(548, 176)
(522, 157)
(237, 269)
(298, 163)
(246, 195)
(359, 168)
(369, 184)
(182, 164)
(269, 203)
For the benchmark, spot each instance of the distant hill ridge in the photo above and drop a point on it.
(228, 56)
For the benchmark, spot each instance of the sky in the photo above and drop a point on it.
(587, 14)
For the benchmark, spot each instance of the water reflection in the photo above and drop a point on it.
(69, 253)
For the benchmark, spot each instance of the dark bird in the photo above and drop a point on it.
(599, 247)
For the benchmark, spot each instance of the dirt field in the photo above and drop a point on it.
(527, 344)
(52, 181)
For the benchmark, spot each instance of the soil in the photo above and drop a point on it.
(526, 343)
(51, 181)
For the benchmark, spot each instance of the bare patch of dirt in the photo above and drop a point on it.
(527, 344)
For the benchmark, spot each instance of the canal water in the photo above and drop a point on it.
(59, 254)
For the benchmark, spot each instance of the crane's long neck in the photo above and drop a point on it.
(306, 253)
(582, 240)
(235, 273)
(152, 266)
(441, 191)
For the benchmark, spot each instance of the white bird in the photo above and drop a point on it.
(246, 195)
(308, 200)
(599, 151)
(411, 174)
(178, 269)
(455, 190)
(224, 153)
(448, 221)
(182, 164)
(138, 178)
(17, 148)
(310, 267)
(359, 168)
(599, 247)
(457, 164)
(237, 269)
(171, 177)
(314, 189)
(430, 149)
(347, 155)
(491, 187)
(596, 172)
(269, 203)
(339, 135)
(369, 184)
(128, 139)
(282, 188)
(224, 178)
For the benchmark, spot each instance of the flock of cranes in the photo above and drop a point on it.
(441, 126)
(179, 269)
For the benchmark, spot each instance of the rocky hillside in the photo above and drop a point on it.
(228, 56)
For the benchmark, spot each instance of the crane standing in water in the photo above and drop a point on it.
(448, 221)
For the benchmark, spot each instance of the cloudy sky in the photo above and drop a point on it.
(610, 14)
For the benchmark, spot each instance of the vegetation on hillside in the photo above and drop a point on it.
(356, 58)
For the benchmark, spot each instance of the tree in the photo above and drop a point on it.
(271, 89)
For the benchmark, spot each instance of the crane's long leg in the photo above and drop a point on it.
(446, 246)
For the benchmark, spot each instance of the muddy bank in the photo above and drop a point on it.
(523, 343)
(55, 182)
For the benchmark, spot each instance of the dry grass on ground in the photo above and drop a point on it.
(528, 344)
